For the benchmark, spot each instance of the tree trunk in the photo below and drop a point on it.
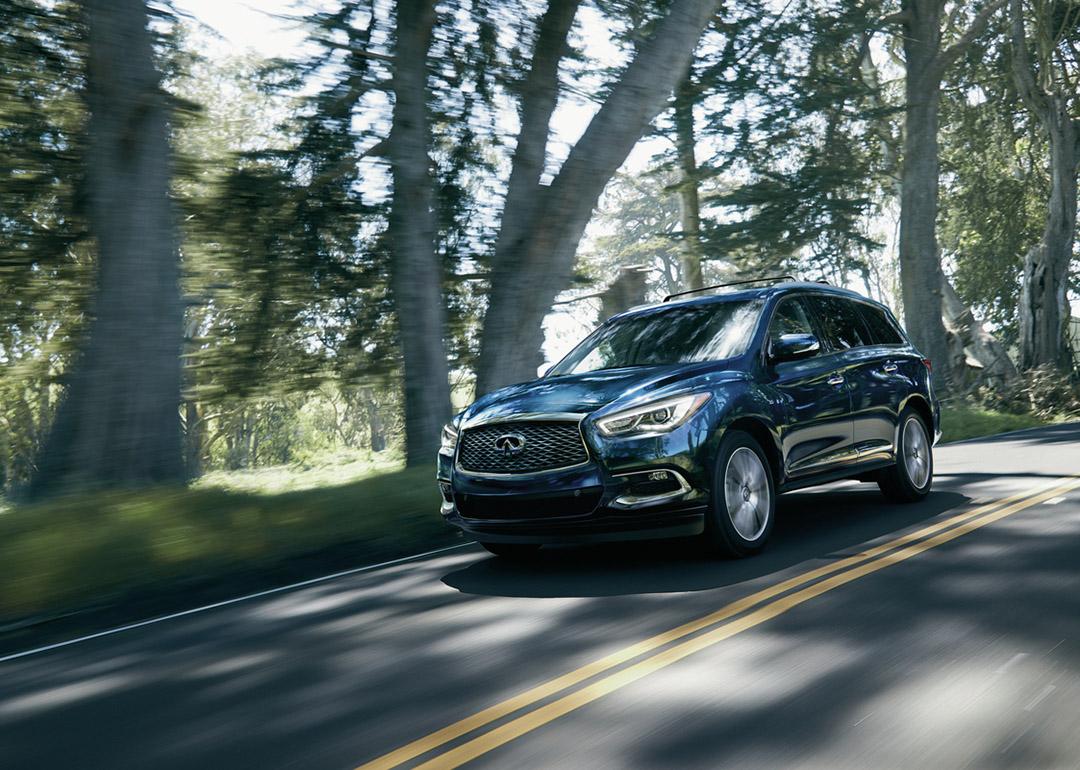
(539, 95)
(986, 361)
(526, 278)
(195, 438)
(1044, 308)
(416, 269)
(689, 204)
(920, 262)
(119, 422)
(627, 290)
(921, 277)
(375, 420)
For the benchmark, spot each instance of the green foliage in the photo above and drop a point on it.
(101, 548)
(636, 224)
(995, 186)
(46, 263)
(1044, 392)
(963, 421)
(799, 162)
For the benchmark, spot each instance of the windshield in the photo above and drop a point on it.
(680, 335)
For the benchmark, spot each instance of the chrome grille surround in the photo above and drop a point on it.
(550, 444)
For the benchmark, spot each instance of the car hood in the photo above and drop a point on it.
(584, 393)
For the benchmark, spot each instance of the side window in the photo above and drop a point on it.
(882, 330)
(791, 317)
(842, 322)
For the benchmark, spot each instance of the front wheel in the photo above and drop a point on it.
(909, 479)
(743, 498)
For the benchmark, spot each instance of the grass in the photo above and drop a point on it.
(324, 470)
(962, 421)
(95, 549)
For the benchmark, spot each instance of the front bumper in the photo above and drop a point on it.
(597, 501)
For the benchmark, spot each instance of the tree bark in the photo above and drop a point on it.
(920, 261)
(689, 202)
(119, 422)
(195, 438)
(627, 290)
(986, 360)
(416, 276)
(526, 278)
(375, 420)
(1044, 307)
(539, 95)
(921, 277)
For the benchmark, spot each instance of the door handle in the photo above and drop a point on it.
(889, 368)
(836, 379)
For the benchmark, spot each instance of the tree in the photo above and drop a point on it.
(534, 259)
(119, 421)
(46, 259)
(1048, 86)
(993, 194)
(800, 157)
(689, 183)
(417, 273)
(926, 62)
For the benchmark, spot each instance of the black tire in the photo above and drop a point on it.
(512, 551)
(756, 514)
(900, 481)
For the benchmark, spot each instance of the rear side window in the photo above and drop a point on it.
(842, 322)
(882, 330)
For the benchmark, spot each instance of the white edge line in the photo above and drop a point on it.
(227, 602)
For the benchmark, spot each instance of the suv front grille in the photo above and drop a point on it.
(544, 446)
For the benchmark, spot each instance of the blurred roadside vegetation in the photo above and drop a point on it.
(100, 549)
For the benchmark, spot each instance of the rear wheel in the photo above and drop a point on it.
(512, 551)
(744, 497)
(909, 479)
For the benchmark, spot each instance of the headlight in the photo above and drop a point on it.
(657, 417)
(449, 440)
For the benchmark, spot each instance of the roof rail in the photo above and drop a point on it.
(771, 278)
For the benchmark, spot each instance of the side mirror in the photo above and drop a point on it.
(792, 347)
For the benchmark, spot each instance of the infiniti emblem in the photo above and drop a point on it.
(510, 444)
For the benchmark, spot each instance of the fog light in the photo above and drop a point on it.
(653, 483)
(650, 488)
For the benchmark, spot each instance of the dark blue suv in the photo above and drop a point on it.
(688, 417)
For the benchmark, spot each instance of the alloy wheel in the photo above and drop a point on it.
(916, 448)
(746, 493)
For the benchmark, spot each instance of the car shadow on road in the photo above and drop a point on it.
(829, 523)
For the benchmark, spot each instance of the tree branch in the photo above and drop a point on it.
(900, 17)
(977, 27)
(539, 95)
(1022, 67)
(373, 55)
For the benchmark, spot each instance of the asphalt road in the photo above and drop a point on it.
(937, 635)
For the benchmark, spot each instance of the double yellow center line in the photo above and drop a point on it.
(765, 605)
